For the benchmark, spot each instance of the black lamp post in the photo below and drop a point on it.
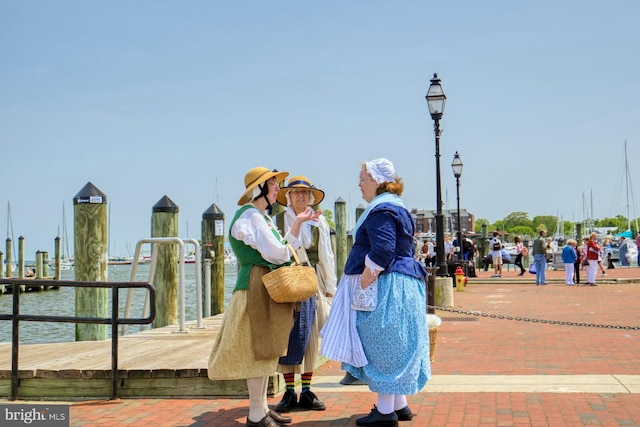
(456, 165)
(436, 99)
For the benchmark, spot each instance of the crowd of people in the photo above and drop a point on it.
(374, 321)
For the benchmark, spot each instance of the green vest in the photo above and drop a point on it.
(246, 256)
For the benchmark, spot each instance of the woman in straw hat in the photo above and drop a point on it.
(377, 326)
(302, 352)
(255, 329)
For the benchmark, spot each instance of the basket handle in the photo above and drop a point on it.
(295, 255)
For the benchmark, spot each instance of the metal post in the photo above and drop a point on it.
(440, 259)
(459, 235)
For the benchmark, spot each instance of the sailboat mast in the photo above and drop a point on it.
(626, 181)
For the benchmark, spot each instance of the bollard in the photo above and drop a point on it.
(164, 223)
(459, 279)
(213, 243)
(91, 253)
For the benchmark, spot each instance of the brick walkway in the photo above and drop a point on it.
(482, 348)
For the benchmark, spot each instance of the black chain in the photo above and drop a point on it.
(526, 319)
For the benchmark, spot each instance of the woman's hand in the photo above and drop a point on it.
(367, 277)
(307, 215)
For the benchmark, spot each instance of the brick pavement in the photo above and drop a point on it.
(486, 346)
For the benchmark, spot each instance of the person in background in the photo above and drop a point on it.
(592, 250)
(569, 256)
(377, 326)
(424, 253)
(540, 257)
(449, 249)
(578, 263)
(495, 246)
(255, 329)
(638, 246)
(622, 253)
(302, 352)
(520, 252)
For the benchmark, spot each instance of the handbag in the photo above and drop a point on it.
(364, 299)
(291, 283)
(532, 268)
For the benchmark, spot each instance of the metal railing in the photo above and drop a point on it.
(114, 320)
(155, 242)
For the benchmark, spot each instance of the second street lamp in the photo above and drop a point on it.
(436, 99)
(456, 165)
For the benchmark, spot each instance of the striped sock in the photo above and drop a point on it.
(306, 381)
(290, 381)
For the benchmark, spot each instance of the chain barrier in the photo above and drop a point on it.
(526, 319)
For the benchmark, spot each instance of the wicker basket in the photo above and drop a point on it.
(291, 283)
(432, 342)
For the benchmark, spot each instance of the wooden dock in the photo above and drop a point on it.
(160, 362)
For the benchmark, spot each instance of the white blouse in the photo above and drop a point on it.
(256, 230)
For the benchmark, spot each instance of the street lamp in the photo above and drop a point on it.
(456, 165)
(436, 99)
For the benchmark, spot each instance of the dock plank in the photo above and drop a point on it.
(156, 362)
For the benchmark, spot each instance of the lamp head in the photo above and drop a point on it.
(456, 165)
(436, 98)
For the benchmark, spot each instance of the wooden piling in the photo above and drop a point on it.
(2, 288)
(213, 234)
(58, 255)
(9, 257)
(164, 223)
(21, 257)
(91, 253)
(341, 236)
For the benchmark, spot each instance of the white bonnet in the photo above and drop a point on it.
(381, 170)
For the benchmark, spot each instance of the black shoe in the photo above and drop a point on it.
(377, 419)
(279, 418)
(350, 380)
(404, 414)
(288, 403)
(265, 422)
(308, 400)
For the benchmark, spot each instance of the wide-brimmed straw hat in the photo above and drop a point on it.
(255, 177)
(300, 182)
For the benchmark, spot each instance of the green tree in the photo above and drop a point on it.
(328, 214)
(548, 223)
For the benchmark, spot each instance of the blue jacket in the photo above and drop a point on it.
(386, 235)
(569, 255)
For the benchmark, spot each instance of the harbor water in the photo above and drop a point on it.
(61, 302)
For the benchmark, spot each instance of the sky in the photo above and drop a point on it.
(147, 99)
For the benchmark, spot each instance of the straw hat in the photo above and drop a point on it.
(255, 177)
(303, 182)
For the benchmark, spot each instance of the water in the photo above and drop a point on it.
(62, 303)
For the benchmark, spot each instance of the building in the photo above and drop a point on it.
(425, 221)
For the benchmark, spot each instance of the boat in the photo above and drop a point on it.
(632, 249)
(229, 256)
(66, 260)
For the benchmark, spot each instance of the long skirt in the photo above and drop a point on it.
(246, 348)
(394, 338)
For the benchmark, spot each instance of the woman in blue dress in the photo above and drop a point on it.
(381, 302)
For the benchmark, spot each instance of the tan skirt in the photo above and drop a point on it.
(233, 355)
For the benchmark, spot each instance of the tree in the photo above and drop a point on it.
(545, 222)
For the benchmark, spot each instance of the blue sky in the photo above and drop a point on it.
(152, 98)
